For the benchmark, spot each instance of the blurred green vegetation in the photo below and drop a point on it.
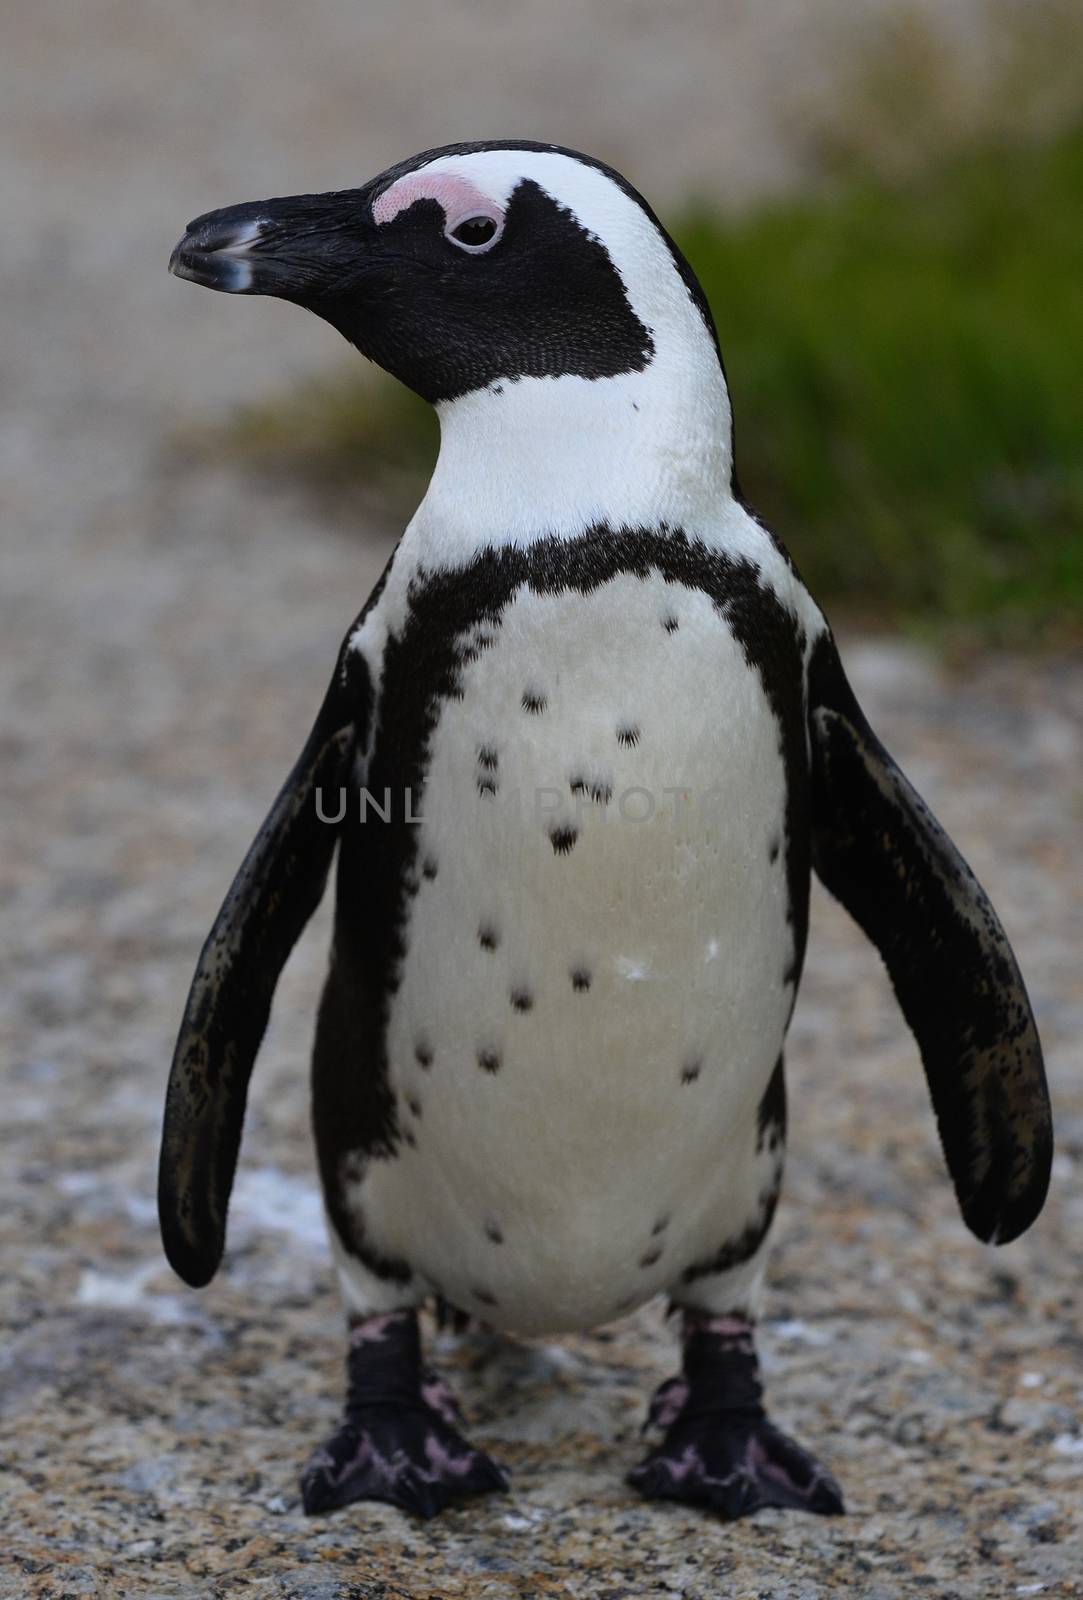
(905, 365)
(903, 347)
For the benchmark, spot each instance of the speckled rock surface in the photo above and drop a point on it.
(152, 1436)
(167, 633)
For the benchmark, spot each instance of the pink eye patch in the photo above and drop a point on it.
(459, 198)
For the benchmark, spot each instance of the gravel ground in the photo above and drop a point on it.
(168, 628)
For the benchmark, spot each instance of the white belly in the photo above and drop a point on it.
(582, 1033)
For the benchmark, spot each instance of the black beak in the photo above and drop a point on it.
(295, 248)
(217, 249)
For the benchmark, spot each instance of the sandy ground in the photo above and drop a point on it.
(167, 629)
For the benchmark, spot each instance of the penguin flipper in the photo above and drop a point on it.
(277, 888)
(879, 850)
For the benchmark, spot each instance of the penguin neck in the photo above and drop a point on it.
(535, 458)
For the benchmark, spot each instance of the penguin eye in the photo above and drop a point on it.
(477, 233)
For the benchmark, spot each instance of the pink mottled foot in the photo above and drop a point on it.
(398, 1441)
(719, 1448)
(407, 1457)
(736, 1468)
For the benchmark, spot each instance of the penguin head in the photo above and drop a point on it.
(533, 296)
(469, 266)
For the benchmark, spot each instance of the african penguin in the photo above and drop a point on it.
(580, 751)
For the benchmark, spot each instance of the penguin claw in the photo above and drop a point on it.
(405, 1456)
(735, 1466)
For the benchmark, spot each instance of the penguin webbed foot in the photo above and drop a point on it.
(736, 1466)
(720, 1449)
(404, 1455)
(398, 1442)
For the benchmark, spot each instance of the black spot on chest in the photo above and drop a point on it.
(599, 790)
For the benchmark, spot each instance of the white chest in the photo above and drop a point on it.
(592, 998)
